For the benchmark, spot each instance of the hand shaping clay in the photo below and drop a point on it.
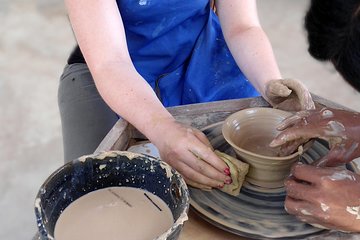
(238, 171)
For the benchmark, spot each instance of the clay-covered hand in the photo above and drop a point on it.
(324, 197)
(340, 128)
(288, 95)
(188, 151)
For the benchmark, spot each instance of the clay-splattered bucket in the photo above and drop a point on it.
(89, 173)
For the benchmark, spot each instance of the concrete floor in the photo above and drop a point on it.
(35, 41)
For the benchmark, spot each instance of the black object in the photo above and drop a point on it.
(93, 172)
(76, 56)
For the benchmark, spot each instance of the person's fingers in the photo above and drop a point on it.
(277, 89)
(305, 99)
(194, 176)
(322, 162)
(301, 92)
(339, 154)
(292, 206)
(202, 137)
(300, 191)
(293, 120)
(304, 209)
(289, 122)
(197, 185)
(290, 147)
(332, 159)
(317, 175)
(207, 155)
(199, 165)
(288, 136)
(308, 173)
(310, 220)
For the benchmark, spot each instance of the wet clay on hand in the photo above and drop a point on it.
(324, 197)
(182, 147)
(249, 132)
(288, 95)
(340, 128)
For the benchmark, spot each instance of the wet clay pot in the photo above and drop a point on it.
(250, 132)
(111, 169)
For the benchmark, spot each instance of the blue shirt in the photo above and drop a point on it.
(179, 48)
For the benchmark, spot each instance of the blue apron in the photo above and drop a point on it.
(179, 49)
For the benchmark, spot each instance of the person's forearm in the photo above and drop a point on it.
(130, 96)
(253, 53)
(102, 41)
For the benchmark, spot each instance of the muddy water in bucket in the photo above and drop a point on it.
(108, 213)
(106, 184)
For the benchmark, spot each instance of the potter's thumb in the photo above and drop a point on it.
(276, 142)
(322, 162)
(328, 161)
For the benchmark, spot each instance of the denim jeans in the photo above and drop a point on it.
(85, 117)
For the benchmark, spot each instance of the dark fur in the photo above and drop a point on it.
(333, 28)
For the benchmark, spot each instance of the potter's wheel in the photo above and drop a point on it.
(256, 213)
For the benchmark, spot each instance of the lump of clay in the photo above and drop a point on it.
(238, 171)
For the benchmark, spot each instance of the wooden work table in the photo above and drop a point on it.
(198, 229)
(200, 115)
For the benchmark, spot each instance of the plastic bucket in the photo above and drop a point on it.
(111, 169)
